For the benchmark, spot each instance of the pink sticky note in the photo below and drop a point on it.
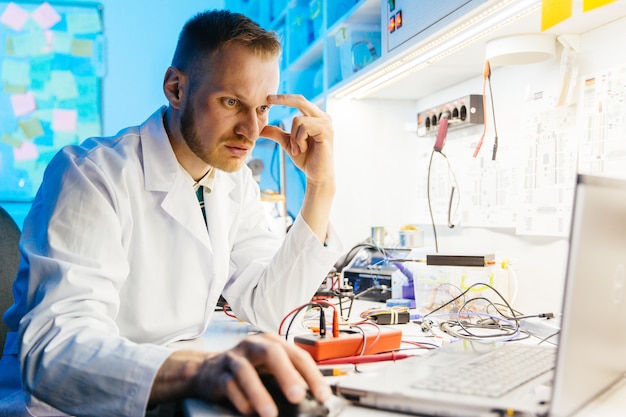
(46, 16)
(14, 16)
(64, 120)
(49, 38)
(26, 151)
(23, 103)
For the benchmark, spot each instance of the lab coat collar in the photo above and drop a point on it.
(164, 174)
(160, 164)
(161, 168)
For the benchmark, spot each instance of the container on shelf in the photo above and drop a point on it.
(358, 45)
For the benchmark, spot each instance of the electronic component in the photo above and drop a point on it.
(459, 113)
(385, 316)
(460, 260)
(373, 269)
(420, 19)
(350, 344)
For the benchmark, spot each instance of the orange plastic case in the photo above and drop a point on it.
(349, 344)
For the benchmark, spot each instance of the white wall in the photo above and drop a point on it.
(381, 165)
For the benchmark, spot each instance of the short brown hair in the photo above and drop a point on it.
(210, 31)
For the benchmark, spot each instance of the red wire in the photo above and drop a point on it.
(297, 309)
(379, 357)
(226, 311)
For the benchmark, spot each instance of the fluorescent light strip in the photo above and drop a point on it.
(479, 26)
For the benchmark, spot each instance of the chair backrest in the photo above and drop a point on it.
(9, 262)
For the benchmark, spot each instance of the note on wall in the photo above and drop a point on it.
(51, 66)
(547, 190)
(602, 116)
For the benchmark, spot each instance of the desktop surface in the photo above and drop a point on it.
(225, 332)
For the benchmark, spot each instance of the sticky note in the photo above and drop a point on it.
(26, 151)
(15, 72)
(48, 37)
(14, 17)
(82, 23)
(82, 47)
(46, 16)
(64, 120)
(14, 89)
(594, 4)
(9, 49)
(63, 85)
(31, 127)
(554, 12)
(61, 42)
(8, 139)
(23, 103)
(29, 44)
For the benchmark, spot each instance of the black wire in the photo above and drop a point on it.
(508, 330)
(363, 339)
(430, 207)
(515, 318)
(545, 339)
(295, 313)
(343, 262)
(450, 224)
(495, 129)
(468, 290)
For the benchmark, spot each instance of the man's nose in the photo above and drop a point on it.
(249, 125)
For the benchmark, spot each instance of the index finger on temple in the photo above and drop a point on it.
(296, 101)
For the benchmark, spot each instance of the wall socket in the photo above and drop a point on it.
(462, 112)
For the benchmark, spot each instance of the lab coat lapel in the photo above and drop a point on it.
(221, 209)
(162, 173)
(182, 204)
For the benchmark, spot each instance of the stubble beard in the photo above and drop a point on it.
(193, 141)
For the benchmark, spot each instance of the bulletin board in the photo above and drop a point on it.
(51, 67)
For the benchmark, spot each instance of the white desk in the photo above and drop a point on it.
(225, 332)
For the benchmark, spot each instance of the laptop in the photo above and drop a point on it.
(590, 355)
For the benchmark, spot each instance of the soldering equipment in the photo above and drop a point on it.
(374, 269)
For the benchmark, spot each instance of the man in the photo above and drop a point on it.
(118, 260)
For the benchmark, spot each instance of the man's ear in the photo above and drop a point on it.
(173, 84)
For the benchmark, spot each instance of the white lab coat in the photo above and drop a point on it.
(117, 263)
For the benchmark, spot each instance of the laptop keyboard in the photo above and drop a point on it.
(493, 374)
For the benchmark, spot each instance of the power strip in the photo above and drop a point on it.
(462, 112)
(350, 344)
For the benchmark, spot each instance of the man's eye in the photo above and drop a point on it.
(231, 102)
(264, 109)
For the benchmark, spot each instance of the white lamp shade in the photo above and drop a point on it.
(520, 49)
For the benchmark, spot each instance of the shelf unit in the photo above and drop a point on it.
(325, 42)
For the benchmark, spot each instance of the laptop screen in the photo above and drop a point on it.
(592, 342)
